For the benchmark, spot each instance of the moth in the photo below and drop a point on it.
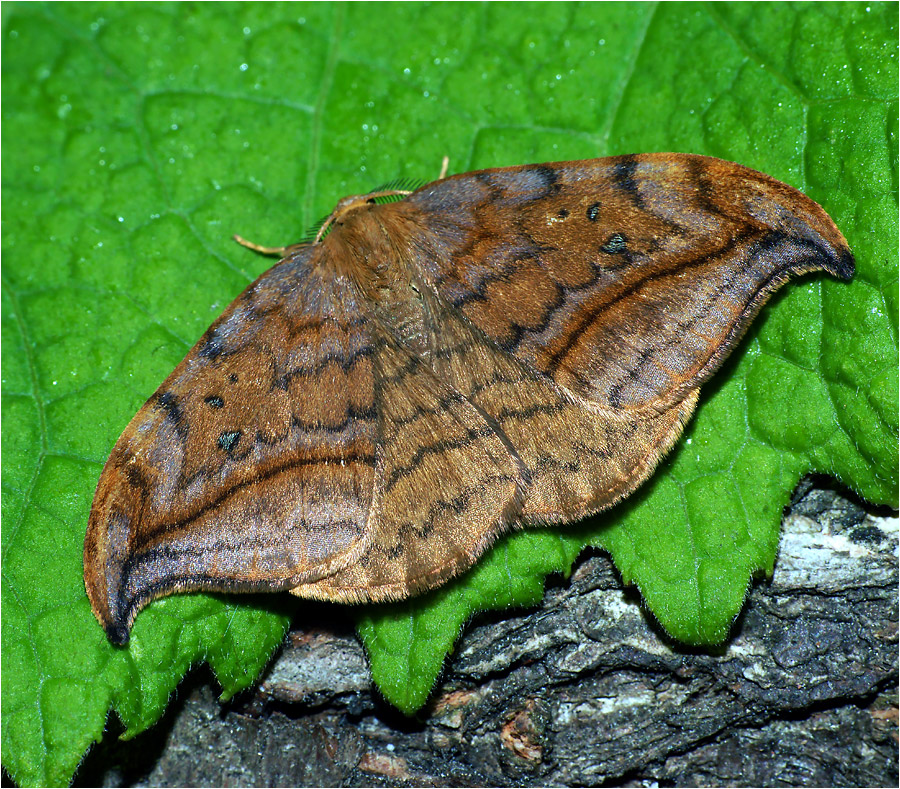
(504, 348)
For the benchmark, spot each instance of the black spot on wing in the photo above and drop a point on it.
(615, 244)
(228, 440)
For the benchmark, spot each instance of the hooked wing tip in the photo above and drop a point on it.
(117, 632)
(846, 266)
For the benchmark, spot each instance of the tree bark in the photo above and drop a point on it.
(583, 690)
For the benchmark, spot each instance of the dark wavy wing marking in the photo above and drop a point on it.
(253, 465)
(626, 280)
(448, 485)
(580, 459)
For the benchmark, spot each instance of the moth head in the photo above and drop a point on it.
(353, 203)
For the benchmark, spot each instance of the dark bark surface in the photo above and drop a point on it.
(583, 690)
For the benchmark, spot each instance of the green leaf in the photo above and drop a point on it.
(139, 137)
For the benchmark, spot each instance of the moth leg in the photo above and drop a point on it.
(274, 251)
(445, 164)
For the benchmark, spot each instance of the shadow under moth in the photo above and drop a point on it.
(504, 348)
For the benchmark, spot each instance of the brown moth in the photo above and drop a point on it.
(509, 347)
